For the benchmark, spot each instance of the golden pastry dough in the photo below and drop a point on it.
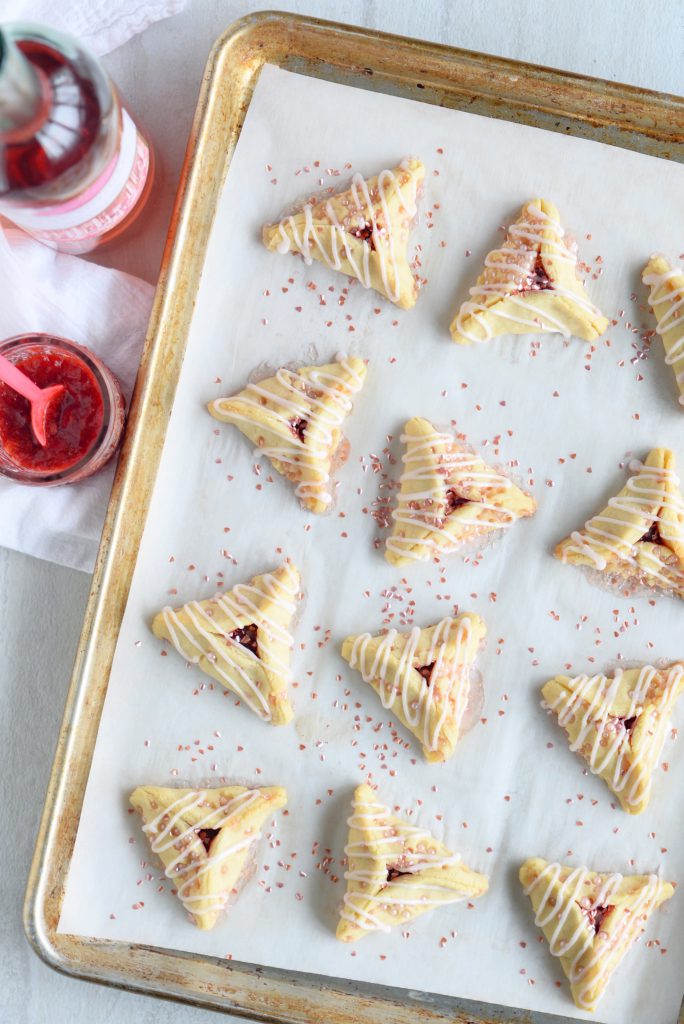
(295, 419)
(638, 539)
(618, 724)
(666, 299)
(447, 496)
(590, 920)
(396, 871)
(530, 285)
(203, 838)
(423, 677)
(362, 232)
(241, 639)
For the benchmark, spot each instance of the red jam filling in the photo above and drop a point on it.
(247, 637)
(207, 835)
(538, 280)
(425, 671)
(596, 916)
(652, 535)
(298, 427)
(454, 501)
(365, 234)
(393, 873)
(74, 421)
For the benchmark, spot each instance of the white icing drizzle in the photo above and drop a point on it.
(394, 686)
(340, 235)
(643, 488)
(192, 861)
(671, 319)
(612, 740)
(243, 601)
(422, 507)
(323, 400)
(604, 949)
(515, 262)
(402, 847)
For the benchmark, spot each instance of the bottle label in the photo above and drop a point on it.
(77, 224)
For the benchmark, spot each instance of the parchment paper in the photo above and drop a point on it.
(513, 788)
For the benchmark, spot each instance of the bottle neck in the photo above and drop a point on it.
(23, 99)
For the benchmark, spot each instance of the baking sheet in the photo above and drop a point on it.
(507, 794)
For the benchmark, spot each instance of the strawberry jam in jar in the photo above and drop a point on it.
(84, 424)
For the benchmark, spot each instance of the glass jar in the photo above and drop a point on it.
(84, 429)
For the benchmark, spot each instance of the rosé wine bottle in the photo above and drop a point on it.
(75, 171)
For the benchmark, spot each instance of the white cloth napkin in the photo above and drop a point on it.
(105, 310)
(101, 24)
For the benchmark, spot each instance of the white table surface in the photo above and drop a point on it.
(42, 605)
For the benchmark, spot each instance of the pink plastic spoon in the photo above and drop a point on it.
(40, 398)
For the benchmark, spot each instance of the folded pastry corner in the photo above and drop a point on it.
(590, 920)
(447, 496)
(203, 838)
(530, 285)
(363, 232)
(638, 539)
(666, 299)
(423, 676)
(241, 639)
(396, 871)
(618, 724)
(295, 419)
